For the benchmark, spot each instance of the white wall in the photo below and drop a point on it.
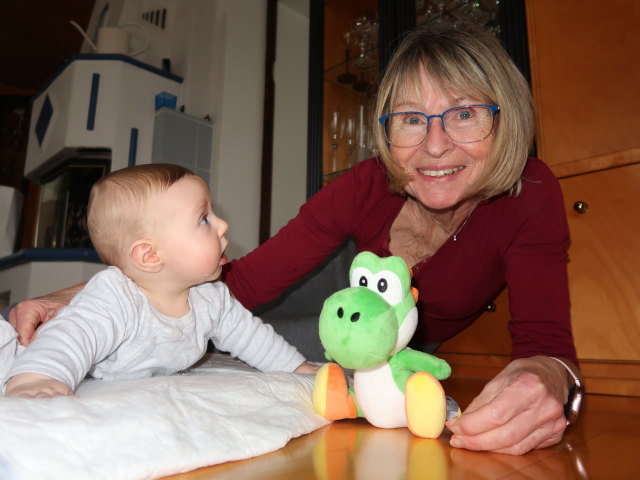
(290, 117)
(218, 47)
(33, 279)
(224, 79)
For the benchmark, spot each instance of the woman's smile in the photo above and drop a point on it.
(440, 173)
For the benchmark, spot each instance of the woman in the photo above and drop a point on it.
(456, 197)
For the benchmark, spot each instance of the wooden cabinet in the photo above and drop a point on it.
(604, 266)
(584, 78)
(604, 275)
(584, 74)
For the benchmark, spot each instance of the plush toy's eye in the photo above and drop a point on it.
(360, 277)
(385, 283)
(388, 286)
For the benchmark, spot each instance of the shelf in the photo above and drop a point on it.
(49, 255)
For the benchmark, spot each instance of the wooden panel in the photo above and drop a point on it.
(611, 378)
(475, 365)
(604, 267)
(597, 163)
(487, 335)
(600, 377)
(584, 77)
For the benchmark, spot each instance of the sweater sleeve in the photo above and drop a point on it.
(246, 337)
(82, 334)
(321, 226)
(536, 271)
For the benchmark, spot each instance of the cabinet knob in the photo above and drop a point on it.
(581, 207)
(491, 307)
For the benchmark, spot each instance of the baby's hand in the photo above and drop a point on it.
(306, 368)
(34, 385)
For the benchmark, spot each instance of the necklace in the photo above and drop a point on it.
(454, 235)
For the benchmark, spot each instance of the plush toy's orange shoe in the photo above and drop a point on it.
(425, 405)
(331, 397)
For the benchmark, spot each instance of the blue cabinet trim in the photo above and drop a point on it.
(93, 101)
(50, 255)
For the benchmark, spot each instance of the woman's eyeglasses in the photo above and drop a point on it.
(465, 124)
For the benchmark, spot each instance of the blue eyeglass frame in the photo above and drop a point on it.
(494, 109)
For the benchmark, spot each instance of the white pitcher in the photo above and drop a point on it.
(114, 39)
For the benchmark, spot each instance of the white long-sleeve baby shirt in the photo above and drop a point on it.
(110, 330)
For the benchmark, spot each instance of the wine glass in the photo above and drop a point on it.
(362, 136)
(347, 43)
(335, 126)
(348, 133)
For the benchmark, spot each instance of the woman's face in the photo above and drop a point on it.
(441, 169)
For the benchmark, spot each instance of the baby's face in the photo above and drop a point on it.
(190, 238)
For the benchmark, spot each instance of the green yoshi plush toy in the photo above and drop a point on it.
(367, 327)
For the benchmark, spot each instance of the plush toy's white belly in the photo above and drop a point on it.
(378, 397)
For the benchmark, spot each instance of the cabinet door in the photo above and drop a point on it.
(604, 266)
(584, 74)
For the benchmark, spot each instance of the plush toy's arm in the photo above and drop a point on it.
(407, 361)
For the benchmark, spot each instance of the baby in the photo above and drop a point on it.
(154, 309)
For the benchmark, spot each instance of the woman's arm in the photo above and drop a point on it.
(28, 315)
(522, 407)
(321, 226)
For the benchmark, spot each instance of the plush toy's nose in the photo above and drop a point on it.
(358, 328)
(354, 316)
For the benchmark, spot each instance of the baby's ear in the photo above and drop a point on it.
(145, 257)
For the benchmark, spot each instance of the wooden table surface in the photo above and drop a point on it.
(603, 444)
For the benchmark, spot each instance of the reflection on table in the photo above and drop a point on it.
(603, 444)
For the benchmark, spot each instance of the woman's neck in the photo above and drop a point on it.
(451, 221)
(416, 233)
(449, 218)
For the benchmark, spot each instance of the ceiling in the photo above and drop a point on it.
(36, 39)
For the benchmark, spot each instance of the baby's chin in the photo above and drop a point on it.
(215, 275)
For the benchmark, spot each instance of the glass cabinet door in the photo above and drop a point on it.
(350, 77)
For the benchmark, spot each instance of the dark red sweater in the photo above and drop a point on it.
(516, 241)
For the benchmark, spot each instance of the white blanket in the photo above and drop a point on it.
(220, 410)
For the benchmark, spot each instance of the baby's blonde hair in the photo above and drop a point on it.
(115, 217)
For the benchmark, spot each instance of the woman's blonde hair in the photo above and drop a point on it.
(115, 214)
(469, 62)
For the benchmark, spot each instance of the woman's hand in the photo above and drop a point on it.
(34, 385)
(521, 409)
(28, 315)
